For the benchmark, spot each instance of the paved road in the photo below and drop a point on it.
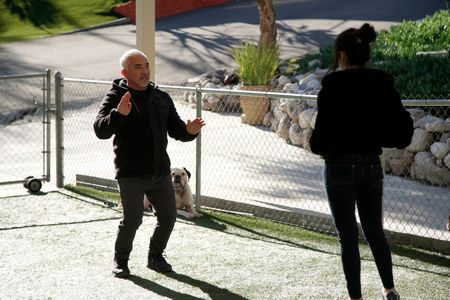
(193, 43)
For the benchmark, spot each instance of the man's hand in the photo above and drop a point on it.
(125, 104)
(193, 127)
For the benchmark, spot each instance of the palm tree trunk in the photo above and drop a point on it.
(267, 26)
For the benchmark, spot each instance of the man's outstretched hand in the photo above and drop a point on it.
(194, 127)
(124, 106)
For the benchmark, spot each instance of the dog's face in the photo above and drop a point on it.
(180, 178)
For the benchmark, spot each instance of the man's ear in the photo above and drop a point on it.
(124, 73)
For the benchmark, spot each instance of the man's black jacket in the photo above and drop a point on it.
(140, 138)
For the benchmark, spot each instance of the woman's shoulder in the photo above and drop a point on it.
(356, 75)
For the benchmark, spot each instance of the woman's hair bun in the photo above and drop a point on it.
(366, 33)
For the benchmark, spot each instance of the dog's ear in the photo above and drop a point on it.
(188, 173)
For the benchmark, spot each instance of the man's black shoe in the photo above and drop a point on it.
(120, 269)
(159, 264)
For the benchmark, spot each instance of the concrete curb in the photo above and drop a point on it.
(118, 22)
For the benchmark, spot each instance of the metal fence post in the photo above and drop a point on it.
(48, 122)
(59, 118)
(198, 155)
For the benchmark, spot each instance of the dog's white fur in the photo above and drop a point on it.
(183, 194)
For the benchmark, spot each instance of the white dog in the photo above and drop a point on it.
(183, 194)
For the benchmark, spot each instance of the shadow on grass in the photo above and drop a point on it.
(159, 289)
(213, 291)
(221, 224)
(421, 255)
(59, 223)
(39, 12)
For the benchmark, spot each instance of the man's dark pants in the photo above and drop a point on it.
(160, 192)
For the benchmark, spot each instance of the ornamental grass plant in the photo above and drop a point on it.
(258, 64)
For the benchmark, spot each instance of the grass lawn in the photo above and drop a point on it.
(25, 19)
(305, 263)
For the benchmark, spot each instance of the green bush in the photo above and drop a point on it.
(410, 37)
(419, 77)
(258, 64)
(395, 52)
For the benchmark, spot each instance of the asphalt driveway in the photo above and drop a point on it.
(192, 43)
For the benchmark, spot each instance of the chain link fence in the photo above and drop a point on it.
(262, 165)
(24, 128)
(258, 165)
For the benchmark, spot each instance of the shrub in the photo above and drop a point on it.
(406, 39)
(258, 64)
(395, 52)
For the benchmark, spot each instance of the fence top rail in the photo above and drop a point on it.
(426, 102)
(231, 91)
(22, 76)
(67, 79)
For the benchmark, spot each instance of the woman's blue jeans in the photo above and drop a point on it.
(358, 180)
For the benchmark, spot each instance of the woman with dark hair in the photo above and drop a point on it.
(359, 112)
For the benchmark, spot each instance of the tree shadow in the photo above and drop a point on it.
(423, 256)
(39, 12)
(159, 289)
(213, 291)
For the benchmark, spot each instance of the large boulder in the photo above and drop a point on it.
(296, 134)
(401, 166)
(304, 119)
(421, 141)
(425, 168)
(283, 127)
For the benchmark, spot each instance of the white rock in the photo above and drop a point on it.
(283, 80)
(446, 161)
(306, 136)
(283, 127)
(441, 126)
(424, 168)
(267, 121)
(416, 113)
(445, 138)
(231, 102)
(196, 79)
(307, 78)
(312, 122)
(389, 154)
(313, 63)
(186, 96)
(192, 99)
(294, 108)
(291, 88)
(278, 111)
(440, 150)
(304, 119)
(421, 140)
(425, 120)
(299, 77)
(295, 134)
(320, 73)
(210, 85)
(214, 99)
(313, 85)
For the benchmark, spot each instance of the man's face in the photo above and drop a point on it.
(137, 72)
